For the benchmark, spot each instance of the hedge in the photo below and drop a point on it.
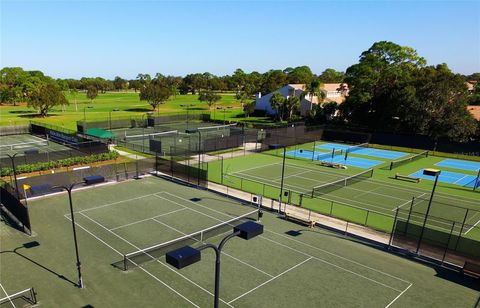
(26, 168)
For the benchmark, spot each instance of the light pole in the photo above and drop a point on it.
(110, 117)
(224, 113)
(87, 181)
(436, 174)
(85, 114)
(187, 255)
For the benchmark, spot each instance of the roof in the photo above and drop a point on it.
(475, 111)
(99, 133)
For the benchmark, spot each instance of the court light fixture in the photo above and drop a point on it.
(186, 256)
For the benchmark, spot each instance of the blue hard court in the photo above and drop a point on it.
(338, 159)
(449, 177)
(459, 164)
(391, 155)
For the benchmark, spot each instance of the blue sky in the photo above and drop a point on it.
(108, 38)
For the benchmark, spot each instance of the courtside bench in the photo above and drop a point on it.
(471, 269)
(304, 221)
(407, 178)
(332, 165)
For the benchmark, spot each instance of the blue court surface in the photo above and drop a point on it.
(391, 155)
(338, 159)
(459, 164)
(449, 177)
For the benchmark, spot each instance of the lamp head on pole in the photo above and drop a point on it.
(431, 172)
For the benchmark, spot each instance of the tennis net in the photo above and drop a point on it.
(216, 127)
(151, 136)
(357, 147)
(330, 155)
(329, 187)
(399, 162)
(25, 145)
(151, 253)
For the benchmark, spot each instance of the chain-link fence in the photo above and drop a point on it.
(438, 238)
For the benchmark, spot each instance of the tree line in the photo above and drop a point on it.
(391, 88)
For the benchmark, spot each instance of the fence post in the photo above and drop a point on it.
(366, 218)
(331, 208)
(448, 242)
(221, 170)
(461, 229)
(301, 200)
(393, 229)
(409, 214)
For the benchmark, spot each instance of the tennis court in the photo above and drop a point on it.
(12, 144)
(357, 162)
(360, 150)
(459, 164)
(450, 177)
(359, 199)
(273, 269)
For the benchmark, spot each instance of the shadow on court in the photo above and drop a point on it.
(32, 245)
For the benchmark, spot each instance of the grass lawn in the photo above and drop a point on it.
(128, 104)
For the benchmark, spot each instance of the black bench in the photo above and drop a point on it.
(292, 217)
(94, 179)
(471, 269)
(407, 178)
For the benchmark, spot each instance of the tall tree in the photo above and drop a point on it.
(379, 83)
(300, 74)
(209, 96)
(155, 94)
(331, 76)
(314, 89)
(92, 93)
(74, 94)
(277, 101)
(45, 96)
(292, 105)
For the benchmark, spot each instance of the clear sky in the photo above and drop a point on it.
(71, 39)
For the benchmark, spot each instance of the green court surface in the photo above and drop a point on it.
(11, 144)
(280, 268)
(371, 201)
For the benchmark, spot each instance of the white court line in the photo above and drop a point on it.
(271, 279)
(141, 267)
(8, 296)
(399, 296)
(465, 176)
(298, 251)
(253, 168)
(224, 253)
(471, 228)
(262, 236)
(150, 218)
(334, 265)
(154, 259)
(113, 203)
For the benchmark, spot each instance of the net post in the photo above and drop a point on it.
(33, 295)
(125, 265)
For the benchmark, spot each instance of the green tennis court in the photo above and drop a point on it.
(363, 199)
(274, 269)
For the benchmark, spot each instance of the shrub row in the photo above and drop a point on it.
(26, 168)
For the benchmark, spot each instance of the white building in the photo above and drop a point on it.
(335, 92)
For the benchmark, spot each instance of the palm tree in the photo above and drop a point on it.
(291, 104)
(314, 89)
(277, 101)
